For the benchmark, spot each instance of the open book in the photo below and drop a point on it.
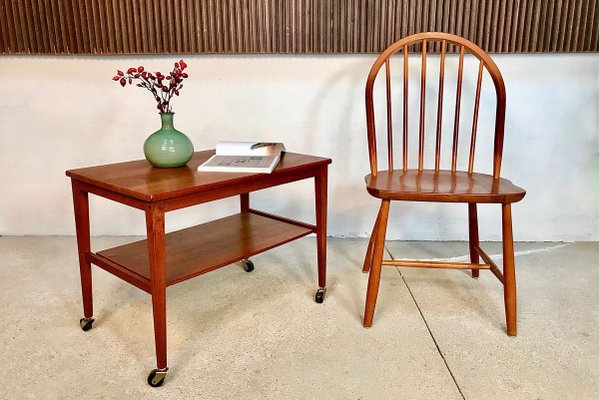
(252, 157)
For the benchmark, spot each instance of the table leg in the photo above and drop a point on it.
(320, 183)
(244, 202)
(81, 205)
(157, 257)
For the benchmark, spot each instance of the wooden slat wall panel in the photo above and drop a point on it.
(289, 26)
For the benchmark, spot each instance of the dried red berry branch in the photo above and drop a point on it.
(162, 87)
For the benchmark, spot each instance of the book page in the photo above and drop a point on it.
(240, 161)
(232, 148)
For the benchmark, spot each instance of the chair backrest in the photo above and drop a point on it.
(424, 41)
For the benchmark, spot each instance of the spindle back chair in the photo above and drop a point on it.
(439, 185)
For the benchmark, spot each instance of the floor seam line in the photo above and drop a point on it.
(428, 327)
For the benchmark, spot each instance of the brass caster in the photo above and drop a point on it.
(248, 265)
(320, 293)
(157, 377)
(86, 323)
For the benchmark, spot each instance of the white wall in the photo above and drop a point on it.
(60, 113)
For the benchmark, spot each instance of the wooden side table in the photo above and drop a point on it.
(165, 259)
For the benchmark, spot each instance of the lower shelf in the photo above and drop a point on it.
(193, 251)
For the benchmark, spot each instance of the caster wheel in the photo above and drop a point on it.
(319, 297)
(86, 323)
(157, 377)
(248, 265)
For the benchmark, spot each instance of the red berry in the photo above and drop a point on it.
(176, 65)
(184, 75)
(130, 81)
(120, 72)
(140, 69)
(123, 82)
(164, 89)
(115, 78)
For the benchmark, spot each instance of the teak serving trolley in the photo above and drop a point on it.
(165, 259)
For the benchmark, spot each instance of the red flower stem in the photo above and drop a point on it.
(150, 83)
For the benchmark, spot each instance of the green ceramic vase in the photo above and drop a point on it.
(167, 147)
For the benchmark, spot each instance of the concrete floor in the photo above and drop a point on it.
(237, 335)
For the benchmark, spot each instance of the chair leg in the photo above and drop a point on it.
(473, 236)
(377, 259)
(368, 257)
(509, 270)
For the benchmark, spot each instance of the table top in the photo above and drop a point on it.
(140, 180)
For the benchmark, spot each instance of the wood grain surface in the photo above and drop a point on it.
(289, 26)
(140, 180)
(203, 248)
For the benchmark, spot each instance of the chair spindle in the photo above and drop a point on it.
(422, 107)
(405, 107)
(440, 107)
(389, 117)
(475, 117)
(456, 122)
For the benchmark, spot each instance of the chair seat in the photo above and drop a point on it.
(442, 186)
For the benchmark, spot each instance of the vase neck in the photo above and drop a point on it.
(167, 120)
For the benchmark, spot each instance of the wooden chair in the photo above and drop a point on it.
(439, 185)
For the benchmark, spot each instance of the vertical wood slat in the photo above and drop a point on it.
(456, 121)
(586, 27)
(475, 117)
(4, 45)
(389, 117)
(440, 106)
(102, 26)
(290, 26)
(138, 37)
(118, 36)
(30, 23)
(523, 25)
(536, 35)
(96, 23)
(422, 107)
(14, 12)
(595, 21)
(557, 16)
(44, 25)
(87, 24)
(25, 32)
